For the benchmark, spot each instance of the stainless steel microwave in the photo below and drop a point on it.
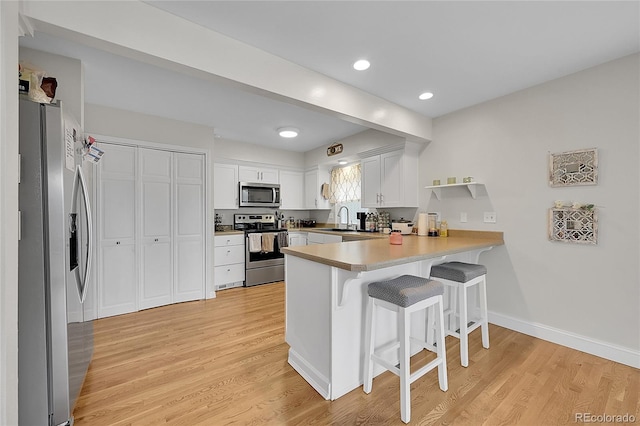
(259, 194)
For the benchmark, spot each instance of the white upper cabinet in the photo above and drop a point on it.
(258, 174)
(225, 186)
(313, 181)
(390, 176)
(291, 190)
(370, 181)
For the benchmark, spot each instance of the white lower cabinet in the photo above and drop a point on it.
(297, 239)
(318, 238)
(151, 229)
(228, 261)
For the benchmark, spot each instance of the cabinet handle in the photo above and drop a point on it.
(381, 198)
(156, 240)
(377, 198)
(228, 251)
(228, 270)
(117, 242)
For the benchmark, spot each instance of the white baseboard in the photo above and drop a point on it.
(310, 374)
(591, 346)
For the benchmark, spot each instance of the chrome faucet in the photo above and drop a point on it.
(348, 217)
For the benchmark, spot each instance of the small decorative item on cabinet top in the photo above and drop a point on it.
(574, 168)
(334, 149)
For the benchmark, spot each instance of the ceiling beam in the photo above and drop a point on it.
(140, 31)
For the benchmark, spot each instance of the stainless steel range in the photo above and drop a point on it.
(263, 239)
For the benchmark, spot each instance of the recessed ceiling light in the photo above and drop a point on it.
(426, 95)
(288, 132)
(361, 64)
(342, 162)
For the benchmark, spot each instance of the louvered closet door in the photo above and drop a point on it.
(189, 241)
(156, 265)
(117, 273)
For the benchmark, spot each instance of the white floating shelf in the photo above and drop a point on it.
(471, 186)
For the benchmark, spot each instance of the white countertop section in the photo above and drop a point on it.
(372, 254)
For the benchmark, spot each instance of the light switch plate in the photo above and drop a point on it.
(463, 217)
(490, 217)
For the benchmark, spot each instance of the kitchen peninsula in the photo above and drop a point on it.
(326, 288)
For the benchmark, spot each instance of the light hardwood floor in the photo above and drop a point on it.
(224, 361)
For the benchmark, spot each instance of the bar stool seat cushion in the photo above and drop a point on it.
(405, 290)
(458, 271)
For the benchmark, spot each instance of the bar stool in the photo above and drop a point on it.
(404, 295)
(459, 277)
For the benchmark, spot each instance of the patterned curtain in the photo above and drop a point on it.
(345, 184)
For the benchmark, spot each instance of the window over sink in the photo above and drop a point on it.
(346, 190)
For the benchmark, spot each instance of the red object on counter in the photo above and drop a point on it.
(395, 238)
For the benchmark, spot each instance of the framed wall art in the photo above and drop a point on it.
(574, 168)
(573, 225)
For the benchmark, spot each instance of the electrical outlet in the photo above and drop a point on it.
(463, 217)
(489, 217)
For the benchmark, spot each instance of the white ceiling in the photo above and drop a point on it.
(463, 52)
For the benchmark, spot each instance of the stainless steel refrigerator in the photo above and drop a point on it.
(55, 341)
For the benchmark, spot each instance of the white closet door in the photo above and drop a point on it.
(189, 233)
(117, 274)
(156, 271)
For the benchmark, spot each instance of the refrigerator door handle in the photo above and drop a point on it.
(80, 182)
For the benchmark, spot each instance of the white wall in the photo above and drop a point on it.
(229, 150)
(69, 74)
(360, 142)
(585, 296)
(132, 125)
(8, 213)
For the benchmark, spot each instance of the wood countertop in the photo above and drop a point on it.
(378, 253)
(230, 232)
